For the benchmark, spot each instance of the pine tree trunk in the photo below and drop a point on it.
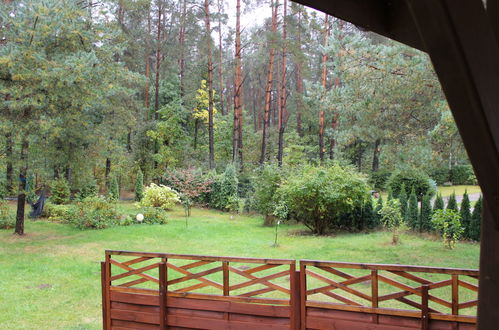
(220, 65)
(324, 86)
(148, 62)
(158, 65)
(376, 154)
(299, 81)
(268, 88)
(9, 171)
(181, 40)
(282, 110)
(210, 86)
(21, 198)
(238, 107)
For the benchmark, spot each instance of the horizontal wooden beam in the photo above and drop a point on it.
(391, 19)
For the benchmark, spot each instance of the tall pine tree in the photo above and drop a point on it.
(476, 221)
(412, 210)
(452, 203)
(425, 214)
(465, 214)
(439, 203)
(403, 201)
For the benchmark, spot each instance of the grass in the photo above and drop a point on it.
(50, 278)
(459, 190)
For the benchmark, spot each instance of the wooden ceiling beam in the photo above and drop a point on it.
(391, 19)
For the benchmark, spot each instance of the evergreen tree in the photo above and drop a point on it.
(439, 203)
(114, 189)
(465, 214)
(425, 214)
(412, 210)
(370, 219)
(139, 186)
(390, 195)
(379, 206)
(403, 201)
(476, 221)
(452, 203)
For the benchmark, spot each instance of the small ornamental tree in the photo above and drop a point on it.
(412, 211)
(452, 203)
(266, 200)
(476, 221)
(448, 223)
(190, 185)
(391, 218)
(403, 198)
(159, 196)
(321, 196)
(439, 203)
(425, 214)
(114, 189)
(139, 186)
(379, 206)
(465, 214)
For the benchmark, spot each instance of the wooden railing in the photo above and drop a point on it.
(158, 290)
(426, 293)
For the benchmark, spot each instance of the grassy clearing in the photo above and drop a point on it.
(459, 190)
(51, 277)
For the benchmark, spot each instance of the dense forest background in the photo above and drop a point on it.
(92, 90)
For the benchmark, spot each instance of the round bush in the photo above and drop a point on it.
(441, 175)
(159, 196)
(411, 179)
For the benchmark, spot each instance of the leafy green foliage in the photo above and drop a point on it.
(379, 178)
(59, 190)
(95, 213)
(139, 186)
(224, 190)
(441, 175)
(379, 206)
(159, 196)
(267, 181)
(88, 189)
(462, 175)
(476, 221)
(412, 179)
(154, 215)
(447, 222)
(319, 196)
(7, 218)
(452, 203)
(55, 212)
(391, 218)
(371, 218)
(465, 215)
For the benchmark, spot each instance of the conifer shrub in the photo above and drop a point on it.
(114, 189)
(412, 211)
(88, 189)
(476, 221)
(139, 186)
(439, 203)
(411, 179)
(370, 218)
(452, 203)
(425, 214)
(465, 213)
(379, 206)
(60, 192)
(319, 197)
(448, 223)
(379, 178)
(403, 199)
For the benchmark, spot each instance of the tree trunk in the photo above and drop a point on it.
(299, 81)
(107, 171)
(282, 110)
(210, 86)
(181, 40)
(9, 171)
(238, 107)
(158, 65)
(324, 86)
(268, 88)
(220, 65)
(21, 198)
(148, 62)
(376, 154)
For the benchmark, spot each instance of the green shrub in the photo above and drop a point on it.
(412, 211)
(95, 213)
(3, 190)
(267, 182)
(60, 192)
(439, 203)
(441, 175)
(411, 179)
(88, 189)
(403, 199)
(318, 197)
(391, 218)
(370, 218)
(465, 214)
(224, 190)
(56, 212)
(7, 218)
(379, 178)
(114, 189)
(379, 206)
(154, 215)
(448, 224)
(476, 221)
(462, 174)
(425, 214)
(452, 203)
(139, 186)
(159, 196)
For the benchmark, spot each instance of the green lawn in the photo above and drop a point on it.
(50, 279)
(459, 190)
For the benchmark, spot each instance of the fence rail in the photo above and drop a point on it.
(160, 290)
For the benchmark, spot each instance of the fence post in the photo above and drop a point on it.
(374, 294)
(107, 290)
(303, 296)
(104, 297)
(163, 294)
(424, 310)
(226, 283)
(295, 298)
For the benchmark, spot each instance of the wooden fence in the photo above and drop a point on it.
(157, 291)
